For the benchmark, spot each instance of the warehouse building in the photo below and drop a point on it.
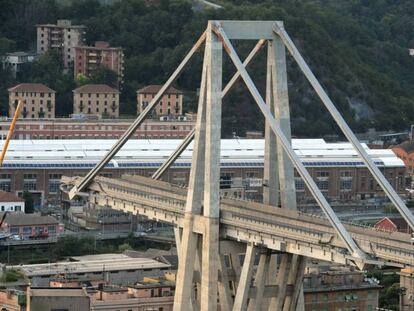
(118, 269)
(38, 165)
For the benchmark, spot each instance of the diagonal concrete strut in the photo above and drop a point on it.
(334, 220)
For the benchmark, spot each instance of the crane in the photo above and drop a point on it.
(11, 130)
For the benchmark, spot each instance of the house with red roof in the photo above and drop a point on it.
(393, 224)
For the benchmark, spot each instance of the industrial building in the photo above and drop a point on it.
(117, 269)
(82, 128)
(38, 165)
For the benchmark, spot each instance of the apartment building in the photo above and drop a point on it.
(171, 104)
(15, 61)
(82, 128)
(38, 100)
(88, 58)
(339, 288)
(61, 37)
(96, 99)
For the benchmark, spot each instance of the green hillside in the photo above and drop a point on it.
(357, 48)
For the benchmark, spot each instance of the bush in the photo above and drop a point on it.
(11, 275)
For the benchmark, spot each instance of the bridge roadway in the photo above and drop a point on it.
(251, 222)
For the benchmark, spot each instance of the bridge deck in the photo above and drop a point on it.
(274, 228)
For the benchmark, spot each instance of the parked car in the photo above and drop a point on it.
(16, 237)
(39, 236)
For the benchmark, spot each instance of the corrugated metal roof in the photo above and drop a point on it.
(232, 150)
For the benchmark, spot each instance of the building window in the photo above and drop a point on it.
(51, 229)
(345, 184)
(5, 182)
(5, 185)
(29, 185)
(299, 184)
(323, 184)
(27, 231)
(54, 186)
(29, 182)
(322, 174)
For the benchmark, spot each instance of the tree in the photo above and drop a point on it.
(29, 202)
(103, 75)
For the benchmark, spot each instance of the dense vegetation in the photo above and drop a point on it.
(357, 48)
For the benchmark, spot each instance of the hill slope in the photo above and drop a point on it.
(357, 48)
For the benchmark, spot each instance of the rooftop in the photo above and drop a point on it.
(407, 146)
(9, 197)
(93, 263)
(143, 153)
(84, 121)
(95, 88)
(57, 292)
(154, 89)
(20, 53)
(99, 45)
(61, 23)
(31, 87)
(22, 219)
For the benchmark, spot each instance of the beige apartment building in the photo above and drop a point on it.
(38, 100)
(96, 99)
(171, 104)
(61, 37)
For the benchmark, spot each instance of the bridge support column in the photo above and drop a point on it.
(226, 301)
(240, 301)
(203, 194)
(257, 302)
(278, 101)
